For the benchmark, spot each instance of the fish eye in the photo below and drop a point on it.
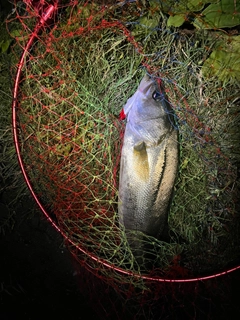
(156, 95)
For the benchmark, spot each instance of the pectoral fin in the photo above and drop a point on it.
(141, 163)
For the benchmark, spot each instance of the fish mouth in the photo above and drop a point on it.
(146, 85)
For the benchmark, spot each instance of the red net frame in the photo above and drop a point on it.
(47, 12)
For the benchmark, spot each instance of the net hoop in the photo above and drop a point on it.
(45, 16)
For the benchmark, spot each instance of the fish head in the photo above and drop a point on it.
(148, 102)
(149, 114)
(143, 93)
(151, 96)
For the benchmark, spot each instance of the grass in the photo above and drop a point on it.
(12, 186)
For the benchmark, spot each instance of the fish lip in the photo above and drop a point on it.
(146, 85)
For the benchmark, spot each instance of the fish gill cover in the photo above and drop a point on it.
(83, 64)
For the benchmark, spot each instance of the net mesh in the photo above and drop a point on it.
(81, 68)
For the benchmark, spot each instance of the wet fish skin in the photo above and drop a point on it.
(149, 162)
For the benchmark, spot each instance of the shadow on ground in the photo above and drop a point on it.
(37, 277)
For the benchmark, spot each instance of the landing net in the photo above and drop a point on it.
(81, 61)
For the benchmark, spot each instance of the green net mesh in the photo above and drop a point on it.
(80, 71)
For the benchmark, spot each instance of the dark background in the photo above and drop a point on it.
(37, 275)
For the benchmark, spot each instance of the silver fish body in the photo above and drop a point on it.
(149, 161)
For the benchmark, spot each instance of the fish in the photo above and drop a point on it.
(149, 163)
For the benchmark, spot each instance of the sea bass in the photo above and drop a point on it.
(149, 161)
